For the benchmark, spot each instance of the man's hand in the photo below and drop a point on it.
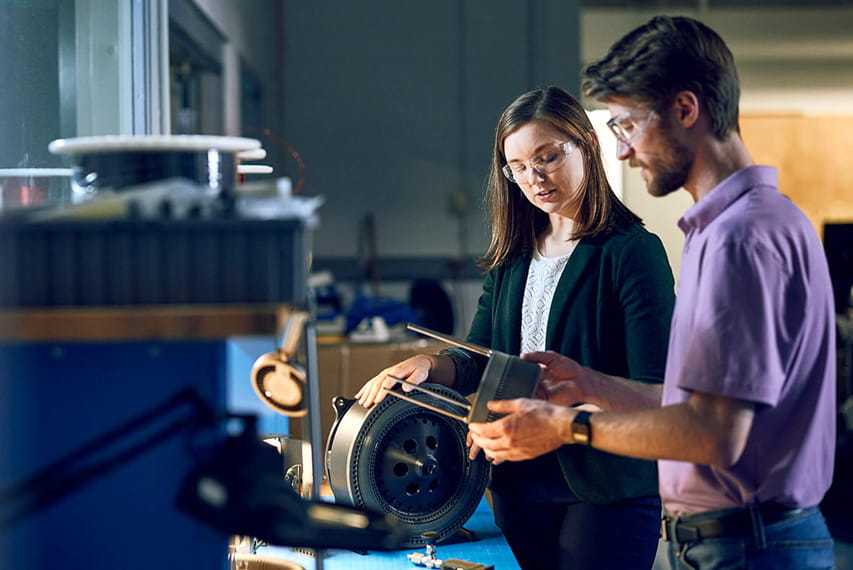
(531, 428)
(561, 377)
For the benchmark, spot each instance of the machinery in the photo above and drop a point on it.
(407, 455)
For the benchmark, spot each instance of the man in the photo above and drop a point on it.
(744, 426)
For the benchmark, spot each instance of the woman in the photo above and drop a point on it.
(570, 269)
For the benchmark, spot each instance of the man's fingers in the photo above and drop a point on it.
(541, 358)
(478, 430)
(492, 449)
(502, 406)
(485, 443)
(473, 451)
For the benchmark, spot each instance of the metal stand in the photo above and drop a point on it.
(312, 420)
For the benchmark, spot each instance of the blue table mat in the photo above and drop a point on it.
(489, 548)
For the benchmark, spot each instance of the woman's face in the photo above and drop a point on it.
(557, 191)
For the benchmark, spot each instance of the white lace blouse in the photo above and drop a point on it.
(542, 278)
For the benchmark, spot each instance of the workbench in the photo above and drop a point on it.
(489, 548)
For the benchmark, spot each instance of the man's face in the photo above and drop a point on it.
(648, 140)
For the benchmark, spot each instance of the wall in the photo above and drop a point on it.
(393, 109)
(254, 47)
(814, 155)
(49, 53)
(29, 105)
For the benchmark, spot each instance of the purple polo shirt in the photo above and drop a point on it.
(754, 320)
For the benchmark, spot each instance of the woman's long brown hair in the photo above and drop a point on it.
(516, 225)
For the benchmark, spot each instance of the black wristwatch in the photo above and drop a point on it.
(581, 432)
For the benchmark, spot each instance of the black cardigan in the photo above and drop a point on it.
(611, 311)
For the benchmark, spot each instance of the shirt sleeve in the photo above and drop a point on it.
(737, 345)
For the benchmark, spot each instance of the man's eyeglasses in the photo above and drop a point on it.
(628, 129)
(547, 161)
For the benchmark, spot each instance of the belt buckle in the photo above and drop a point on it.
(664, 529)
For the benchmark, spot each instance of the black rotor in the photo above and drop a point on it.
(407, 461)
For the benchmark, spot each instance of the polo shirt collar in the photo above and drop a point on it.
(724, 194)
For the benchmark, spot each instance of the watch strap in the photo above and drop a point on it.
(581, 430)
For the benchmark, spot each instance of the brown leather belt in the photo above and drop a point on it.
(730, 522)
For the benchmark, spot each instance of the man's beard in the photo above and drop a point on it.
(670, 174)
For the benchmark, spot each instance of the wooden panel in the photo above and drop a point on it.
(141, 323)
(814, 156)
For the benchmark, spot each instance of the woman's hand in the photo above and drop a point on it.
(415, 369)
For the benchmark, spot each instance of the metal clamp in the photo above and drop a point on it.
(505, 377)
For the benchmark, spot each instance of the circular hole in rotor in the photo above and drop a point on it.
(432, 442)
(412, 489)
(410, 446)
(401, 469)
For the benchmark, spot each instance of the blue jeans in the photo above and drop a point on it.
(802, 541)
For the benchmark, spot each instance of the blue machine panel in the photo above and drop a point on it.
(56, 397)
